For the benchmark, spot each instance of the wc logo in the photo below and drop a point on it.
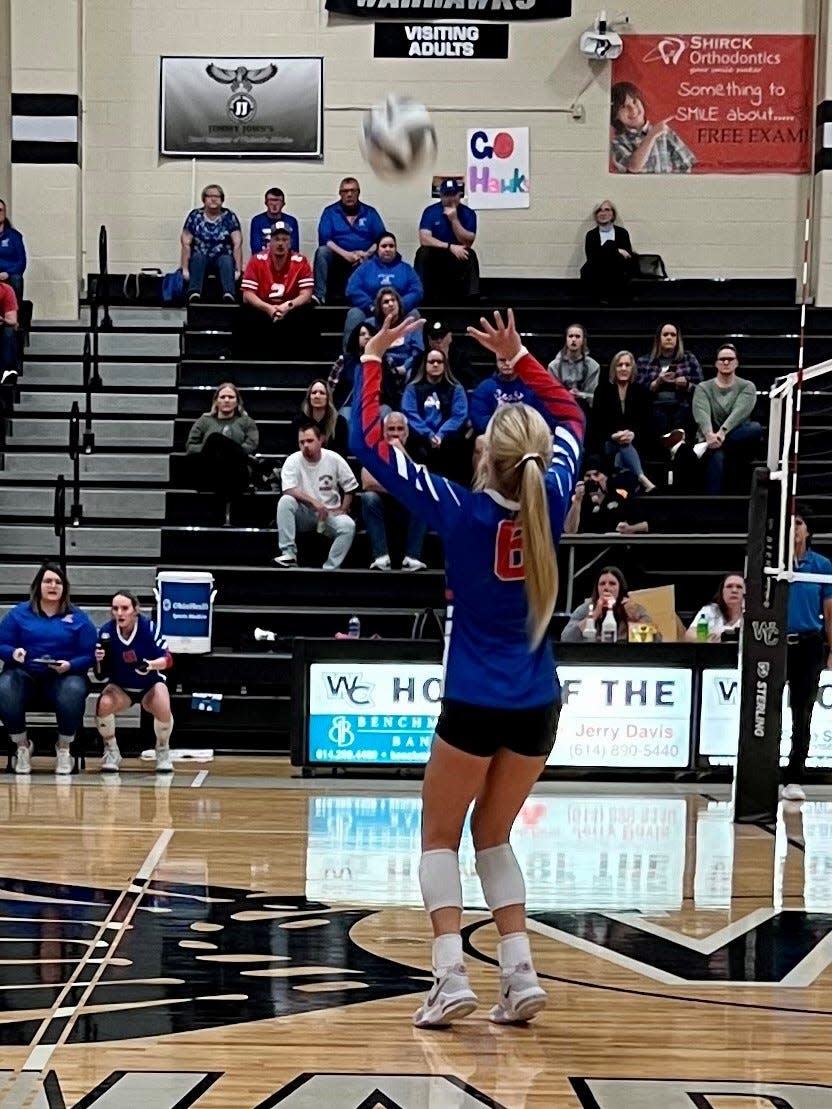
(618, 1093)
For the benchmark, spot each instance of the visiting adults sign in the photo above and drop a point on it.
(712, 103)
(497, 174)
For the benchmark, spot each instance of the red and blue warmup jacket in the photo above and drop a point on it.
(489, 661)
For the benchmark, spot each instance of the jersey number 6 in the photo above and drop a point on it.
(508, 552)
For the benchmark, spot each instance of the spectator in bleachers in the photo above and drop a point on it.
(211, 242)
(721, 409)
(317, 495)
(585, 622)
(620, 421)
(12, 254)
(342, 374)
(380, 510)
(437, 411)
(610, 265)
(220, 447)
(723, 613)
(9, 354)
(318, 409)
(445, 260)
(638, 146)
(260, 230)
(404, 354)
(348, 231)
(440, 337)
(671, 373)
(278, 319)
(503, 387)
(47, 646)
(385, 270)
(573, 366)
(603, 503)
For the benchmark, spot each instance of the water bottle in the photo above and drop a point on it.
(609, 625)
(104, 644)
(703, 629)
(589, 633)
(354, 627)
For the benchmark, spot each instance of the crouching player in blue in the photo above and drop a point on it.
(130, 654)
(501, 696)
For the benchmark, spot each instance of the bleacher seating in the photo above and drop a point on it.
(159, 368)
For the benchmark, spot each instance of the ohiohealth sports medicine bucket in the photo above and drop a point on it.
(185, 610)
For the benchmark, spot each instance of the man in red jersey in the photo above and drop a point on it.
(8, 336)
(278, 315)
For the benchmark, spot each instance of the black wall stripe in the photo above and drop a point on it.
(824, 113)
(56, 153)
(823, 160)
(45, 104)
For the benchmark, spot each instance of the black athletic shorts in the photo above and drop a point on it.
(137, 695)
(483, 731)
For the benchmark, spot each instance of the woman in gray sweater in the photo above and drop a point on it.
(219, 447)
(574, 368)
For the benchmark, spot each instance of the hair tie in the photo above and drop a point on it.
(535, 456)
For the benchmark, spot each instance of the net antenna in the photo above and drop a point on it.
(785, 407)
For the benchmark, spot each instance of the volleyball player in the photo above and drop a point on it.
(131, 654)
(501, 696)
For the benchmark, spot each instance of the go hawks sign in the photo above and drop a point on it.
(452, 9)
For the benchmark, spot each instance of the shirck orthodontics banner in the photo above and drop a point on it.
(712, 104)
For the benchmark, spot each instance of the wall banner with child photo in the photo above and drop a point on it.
(712, 104)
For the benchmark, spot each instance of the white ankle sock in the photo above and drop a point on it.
(513, 950)
(65, 742)
(447, 952)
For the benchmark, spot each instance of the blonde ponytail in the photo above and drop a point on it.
(518, 451)
(538, 552)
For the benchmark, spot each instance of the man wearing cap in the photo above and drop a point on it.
(278, 317)
(440, 337)
(261, 225)
(348, 231)
(445, 260)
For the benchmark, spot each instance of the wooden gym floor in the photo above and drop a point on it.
(242, 939)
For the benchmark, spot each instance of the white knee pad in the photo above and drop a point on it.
(501, 877)
(439, 880)
(162, 730)
(106, 727)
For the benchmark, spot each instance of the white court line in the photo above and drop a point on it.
(199, 779)
(41, 1053)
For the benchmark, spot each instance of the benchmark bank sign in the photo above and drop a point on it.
(452, 9)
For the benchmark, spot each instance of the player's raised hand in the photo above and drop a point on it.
(387, 334)
(500, 337)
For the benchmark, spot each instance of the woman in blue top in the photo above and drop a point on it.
(437, 413)
(386, 269)
(12, 254)
(501, 696)
(47, 646)
(211, 240)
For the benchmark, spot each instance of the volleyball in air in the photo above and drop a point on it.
(397, 137)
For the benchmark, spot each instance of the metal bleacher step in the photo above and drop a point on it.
(144, 344)
(148, 318)
(103, 404)
(38, 540)
(97, 504)
(121, 469)
(46, 431)
(90, 581)
(124, 375)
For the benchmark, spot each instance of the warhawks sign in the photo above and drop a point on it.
(452, 9)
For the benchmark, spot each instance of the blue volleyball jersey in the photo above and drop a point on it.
(489, 661)
(124, 655)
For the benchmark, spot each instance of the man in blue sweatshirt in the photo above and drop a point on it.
(503, 387)
(260, 230)
(347, 235)
(385, 268)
